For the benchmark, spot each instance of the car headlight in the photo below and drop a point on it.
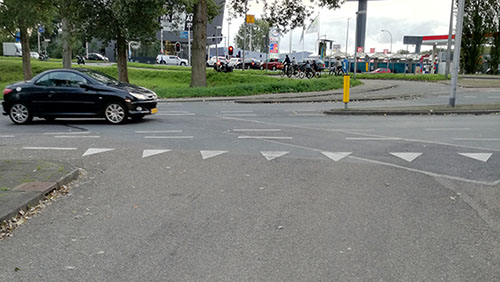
(139, 96)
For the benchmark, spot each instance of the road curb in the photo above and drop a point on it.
(31, 198)
(408, 112)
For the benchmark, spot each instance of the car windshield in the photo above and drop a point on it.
(101, 77)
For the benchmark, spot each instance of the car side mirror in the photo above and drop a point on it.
(84, 85)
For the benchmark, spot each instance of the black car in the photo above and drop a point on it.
(76, 93)
(249, 64)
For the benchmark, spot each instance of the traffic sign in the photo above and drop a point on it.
(250, 19)
(184, 34)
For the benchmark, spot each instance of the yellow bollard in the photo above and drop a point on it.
(347, 85)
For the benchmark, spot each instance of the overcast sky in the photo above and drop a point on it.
(400, 17)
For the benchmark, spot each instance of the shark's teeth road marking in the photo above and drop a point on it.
(409, 157)
(93, 151)
(484, 157)
(210, 154)
(336, 156)
(271, 155)
(149, 153)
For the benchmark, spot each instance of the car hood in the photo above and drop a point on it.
(131, 88)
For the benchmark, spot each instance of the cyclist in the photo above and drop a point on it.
(339, 67)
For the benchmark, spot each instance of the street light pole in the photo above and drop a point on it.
(450, 35)
(356, 43)
(347, 36)
(383, 30)
(456, 54)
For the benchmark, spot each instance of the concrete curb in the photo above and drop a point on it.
(333, 99)
(31, 198)
(408, 112)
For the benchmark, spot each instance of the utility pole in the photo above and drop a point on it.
(245, 37)
(456, 54)
(347, 37)
(450, 35)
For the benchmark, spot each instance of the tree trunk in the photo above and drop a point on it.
(122, 58)
(25, 47)
(199, 70)
(66, 44)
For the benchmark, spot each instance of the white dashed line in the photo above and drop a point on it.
(240, 115)
(256, 130)
(168, 137)
(175, 114)
(7, 136)
(78, 137)
(68, 133)
(476, 139)
(159, 131)
(236, 112)
(50, 148)
(372, 138)
(494, 97)
(446, 129)
(265, 137)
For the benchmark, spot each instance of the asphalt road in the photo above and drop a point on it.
(273, 192)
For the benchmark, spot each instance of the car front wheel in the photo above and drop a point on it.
(20, 114)
(115, 113)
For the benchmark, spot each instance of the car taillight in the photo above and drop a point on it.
(253, 63)
(7, 91)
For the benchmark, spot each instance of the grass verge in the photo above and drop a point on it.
(173, 82)
(400, 76)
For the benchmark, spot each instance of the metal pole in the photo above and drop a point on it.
(290, 49)
(245, 37)
(39, 49)
(356, 47)
(450, 35)
(161, 40)
(347, 36)
(456, 54)
(189, 46)
(216, 51)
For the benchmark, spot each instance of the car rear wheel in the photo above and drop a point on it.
(183, 64)
(115, 113)
(20, 114)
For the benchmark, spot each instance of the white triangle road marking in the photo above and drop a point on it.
(484, 157)
(149, 153)
(271, 155)
(336, 156)
(210, 154)
(409, 157)
(92, 151)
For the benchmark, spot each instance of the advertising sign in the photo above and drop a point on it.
(372, 50)
(274, 35)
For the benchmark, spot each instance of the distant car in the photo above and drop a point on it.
(249, 64)
(213, 60)
(272, 64)
(382, 70)
(34, 55)
(171, 60)
(233, 62)
(76, 93)
(97, 57)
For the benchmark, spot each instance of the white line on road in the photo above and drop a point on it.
(149, 153)
(256, 130)
(471, 97)
(69, 133)
(93, 151)
(159, 131)
(265, 137)
(78, 137)
(476, 139)
(206, 154)
(168, 137)
(7, 136)
(308, 115)
(235, 112)
(446, 129)
(483, 157)
(492, 97)
(50, 148)
(240, 115)
(175, 114)
(372, 138)
(409, 157)
(271, 155)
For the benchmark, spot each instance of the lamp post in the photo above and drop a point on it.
(356, 43)
(216, 37)
(347, 36)
(383, 30)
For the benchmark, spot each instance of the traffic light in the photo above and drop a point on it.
(231, 50)
(177, 47)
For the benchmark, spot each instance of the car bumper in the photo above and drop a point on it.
(5, 106)
(142, 107)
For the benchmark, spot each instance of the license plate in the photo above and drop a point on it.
(154, 110)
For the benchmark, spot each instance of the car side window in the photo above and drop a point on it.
(61, 79)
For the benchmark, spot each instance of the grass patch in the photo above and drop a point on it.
(173, 81)
(401, 76)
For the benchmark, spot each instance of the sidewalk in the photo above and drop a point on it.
(24, 183)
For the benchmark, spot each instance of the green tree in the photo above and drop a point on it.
(122, 21)
(477, 24)
(24, 16)
(495, 37)
(257, 36)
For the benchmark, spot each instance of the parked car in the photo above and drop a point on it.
(213, 60)
(171, 60)
(233, 62)
(382, 70)
(34, 55)
(272, 64)
(249, 64)
(76, 93)
(97, 57)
